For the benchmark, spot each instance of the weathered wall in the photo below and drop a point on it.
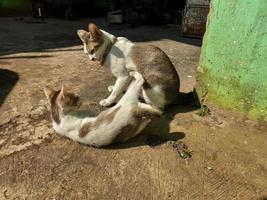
(233, 63)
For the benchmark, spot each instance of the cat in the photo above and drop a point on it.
(116, 124)
(120, 55)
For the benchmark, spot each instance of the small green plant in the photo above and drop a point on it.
(203, 111)
(185, 154)
(182, 150)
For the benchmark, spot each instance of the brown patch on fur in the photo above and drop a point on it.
(86, 128)
(73, 100)
(48, 92)
(94, 31)
(68, 99)
(151, 81)
(139, 114)
(55, 107)
(156, 68)
(126, 132)
(93, 45)
(145, 113)
(106, 116)
(95, 39)
(103, 117)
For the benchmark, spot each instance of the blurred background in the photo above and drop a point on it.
(189, 14)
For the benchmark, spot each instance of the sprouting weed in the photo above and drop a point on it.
(185, 154)
(203, 111)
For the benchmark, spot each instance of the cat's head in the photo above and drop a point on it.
(92, 41)
(62, 99)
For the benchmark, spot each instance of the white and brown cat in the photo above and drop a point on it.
(120, 56)
(117, 124)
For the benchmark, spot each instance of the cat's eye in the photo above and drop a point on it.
(92, 51)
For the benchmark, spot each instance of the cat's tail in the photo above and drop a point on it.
(145, 111)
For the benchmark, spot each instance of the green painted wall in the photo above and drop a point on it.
(15, 8)
(233, 63)
(18, 4)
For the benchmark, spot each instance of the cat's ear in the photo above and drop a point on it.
(94, 31)
(83, 35)
(48, 92)
(63, 92)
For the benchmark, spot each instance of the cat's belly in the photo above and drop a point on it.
(64, 130)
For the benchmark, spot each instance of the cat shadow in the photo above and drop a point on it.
(8, 80)
(151, 140)
(158, 131)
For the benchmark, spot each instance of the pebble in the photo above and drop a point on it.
(209, 168)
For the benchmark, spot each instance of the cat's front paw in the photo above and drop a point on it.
(104, 102)
(110, 88)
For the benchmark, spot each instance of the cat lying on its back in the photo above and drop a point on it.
(117, 124)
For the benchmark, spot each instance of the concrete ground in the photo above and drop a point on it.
(229, 159)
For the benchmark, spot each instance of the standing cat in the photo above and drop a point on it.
(117, 124)
(120, 55)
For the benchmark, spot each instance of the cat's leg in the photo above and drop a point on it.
(118, 88)
(145, 106)
(110, 88)
(138, 78)
(155, 96)
(149, 108)
(134, 88)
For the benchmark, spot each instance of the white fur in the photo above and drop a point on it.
(110, 88)
(85, 48)
(119, 62)
(70, 126)
(105, 134)
(92, 56)
(154, 96)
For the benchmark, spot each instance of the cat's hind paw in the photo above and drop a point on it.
(137, 76)
(110, 88)
(132, 73)
(104, 102)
